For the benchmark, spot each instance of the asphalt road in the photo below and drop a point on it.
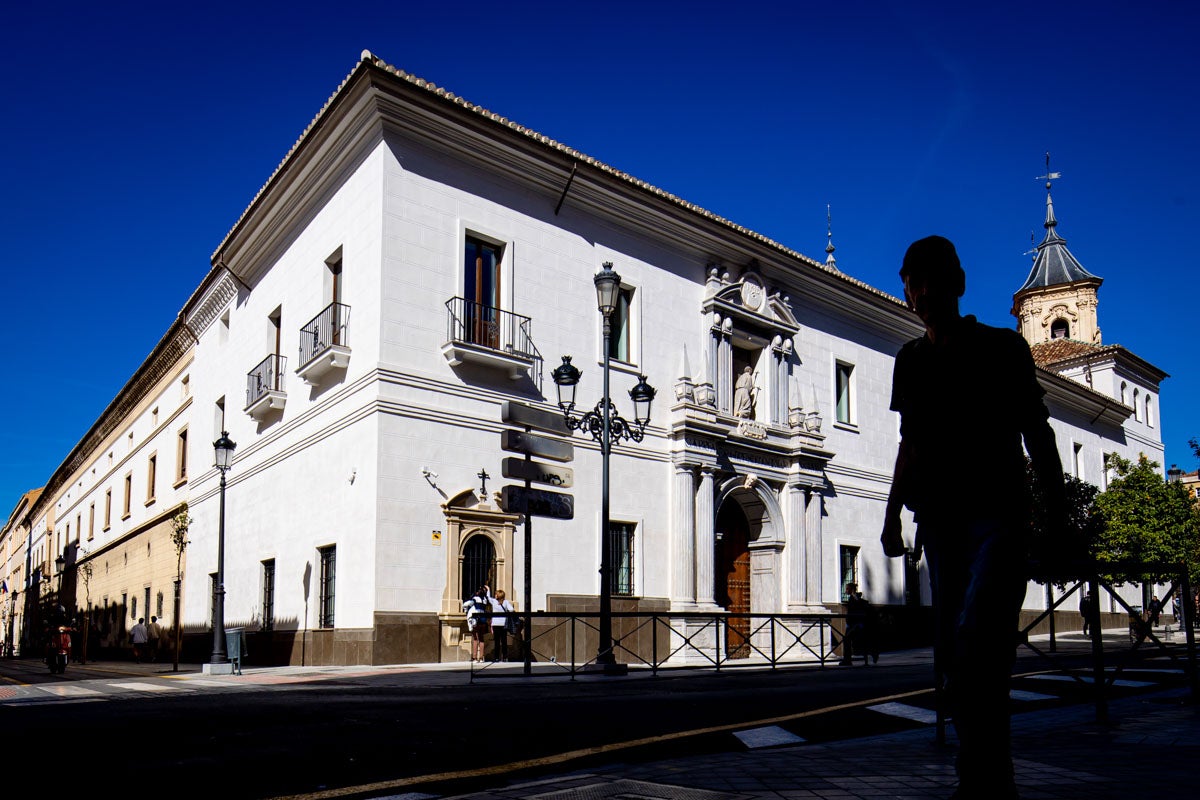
(371, 732)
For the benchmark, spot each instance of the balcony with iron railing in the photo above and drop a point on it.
(491, 337)
(264, 387)
(325, 344)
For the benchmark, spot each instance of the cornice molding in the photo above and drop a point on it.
(210, 304)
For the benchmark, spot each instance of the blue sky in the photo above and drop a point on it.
(135, 135)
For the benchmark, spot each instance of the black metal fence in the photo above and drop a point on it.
(658, 641)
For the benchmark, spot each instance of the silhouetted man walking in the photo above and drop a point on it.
(967, 395)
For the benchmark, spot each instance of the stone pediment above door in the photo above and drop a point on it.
(748, 303)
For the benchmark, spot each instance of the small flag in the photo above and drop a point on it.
(3, 587)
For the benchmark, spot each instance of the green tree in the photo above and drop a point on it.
(1146, 520)
(1059, 555)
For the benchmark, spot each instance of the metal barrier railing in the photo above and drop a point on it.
(659, 641)
(1108, 664)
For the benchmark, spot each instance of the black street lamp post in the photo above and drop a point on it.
(223, 458)
(606, 427)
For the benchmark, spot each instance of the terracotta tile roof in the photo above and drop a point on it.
(1056, 350)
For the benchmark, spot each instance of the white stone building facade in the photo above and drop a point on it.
(414, 263)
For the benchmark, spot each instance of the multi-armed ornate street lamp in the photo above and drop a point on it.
(223, 458)
(606, 427)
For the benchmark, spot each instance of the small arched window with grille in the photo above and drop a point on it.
(478, 564)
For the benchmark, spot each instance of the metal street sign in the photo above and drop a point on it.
(562, 477)
(530, 417)
(534, 445)
(537, 502)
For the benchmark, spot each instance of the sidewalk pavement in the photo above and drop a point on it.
(1149, 747)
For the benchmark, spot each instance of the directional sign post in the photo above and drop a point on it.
(537, 502)
(525, 499)
(526, 470)
(533, 445)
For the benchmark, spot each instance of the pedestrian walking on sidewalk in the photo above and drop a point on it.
(154, 631)
(139, 637)
(501, 609)
(968, 393)
(1087, 608)
(478, 608)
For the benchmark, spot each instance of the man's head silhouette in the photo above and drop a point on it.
(933, 280)
(933, 260)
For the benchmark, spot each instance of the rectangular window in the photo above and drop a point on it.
(620, 557)
(912, 580)
(621, 332)
(1107, 474)
(181, 457)
(218, 419)
(78, 527)
(849, 565)
(128, 495)
(268, 595)
(328, 585)
(91, 522)
(1077, 460)
(151, 476)
(844, 376)
(333, 277)
(481, 291)
(107, 509)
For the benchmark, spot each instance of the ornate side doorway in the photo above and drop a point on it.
(733, 576)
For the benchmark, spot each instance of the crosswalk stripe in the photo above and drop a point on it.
(138, 686)
(1020, 694)
(69, 690)
(905, 711)
(1088, 679)
(223, 684)
(770, 736)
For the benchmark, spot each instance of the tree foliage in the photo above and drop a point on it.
(179, 533)
(1063, 549)
(1146, 520)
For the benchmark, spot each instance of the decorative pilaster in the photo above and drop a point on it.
(794, 500)
(723, 364)
(683, 550)
(706, 539)
(781, 350)
(812, 548)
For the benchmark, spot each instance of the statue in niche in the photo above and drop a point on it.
(744, 392)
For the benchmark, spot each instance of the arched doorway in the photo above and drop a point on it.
(478, 564)
(732, 574)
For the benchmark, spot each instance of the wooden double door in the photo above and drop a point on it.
(732, 574)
